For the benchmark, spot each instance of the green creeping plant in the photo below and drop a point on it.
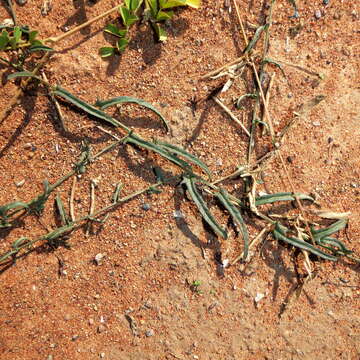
(154, 12)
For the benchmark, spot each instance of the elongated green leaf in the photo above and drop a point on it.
(4, 39)
(61, 210)
(23, 74)
(255, 38)
(107, 51)
(19, 242)
(335, 227)
(40, 48)
(273, 62)
(181, 152)
(92, 110)
(279, 233)
(32, 35)
(128, 99)
(11, 206)
(223, 196)
(134, 139)
(286, 196)
(121, 44)
(334, 242)
(203, 208)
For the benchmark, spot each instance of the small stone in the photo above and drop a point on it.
(53, 346)
(101, 328)
(289, 159)
(8, 22)
(102, 355)
(74, 337)
(67, 317)
(219, 162)
(20, 183)
(326, 2)
(316, 123)
(258, 297)
(50, 357)
(28, 146)
(336, 16)
(98, 258)
(149, 333)
(178, 214)
(91, 321)
(354, 185)
(318, 14)
(145, 206)
(21, 2)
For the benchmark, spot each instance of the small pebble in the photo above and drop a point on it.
(149, 333)
(316, 123)
(50, 357)
(74, 337)
(8, 22)
(145, 206)
(98, 258)
(326, 2)
(20, 183)
(21, 2)
(258, 297)
(178, 214)
(91, 321)
(102, 355)
(67, 317)
(318, 14)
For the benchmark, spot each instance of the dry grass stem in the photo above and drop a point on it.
(229, 112)
(71, 200)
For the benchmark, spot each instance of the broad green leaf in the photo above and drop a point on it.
(114, 30)
(122, 44)
(164, 15)
(127, 17)
(168, 4)
(153, 4)
(160, 32)
(223, 196)
(136, 140)
(181, 152)
(128, 99)
(268, 199)
(4, 39)
(133, 5)
(91, 110)
(279, 233)
(193, 3)
(107, 51)
(255, 38)
(323, 233)
(41, 47)
(17, 34)
(202, 206)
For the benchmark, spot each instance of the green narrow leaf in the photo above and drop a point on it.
(279, 233)
(203, 208)
(255, 38)
(19, 242)
(91, 110)
(335, 227)
(23, 74)
(273, 62)
(153, 4)
(107, 51)
(160, 32)
(236, 216)
(286, 196)
(34, 48)
(128, 99)
(134, 139)
(178, 151)
(33, 35)
(61, 210)
(115, 197)
(334, 242)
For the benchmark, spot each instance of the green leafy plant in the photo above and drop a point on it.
(155, 12)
